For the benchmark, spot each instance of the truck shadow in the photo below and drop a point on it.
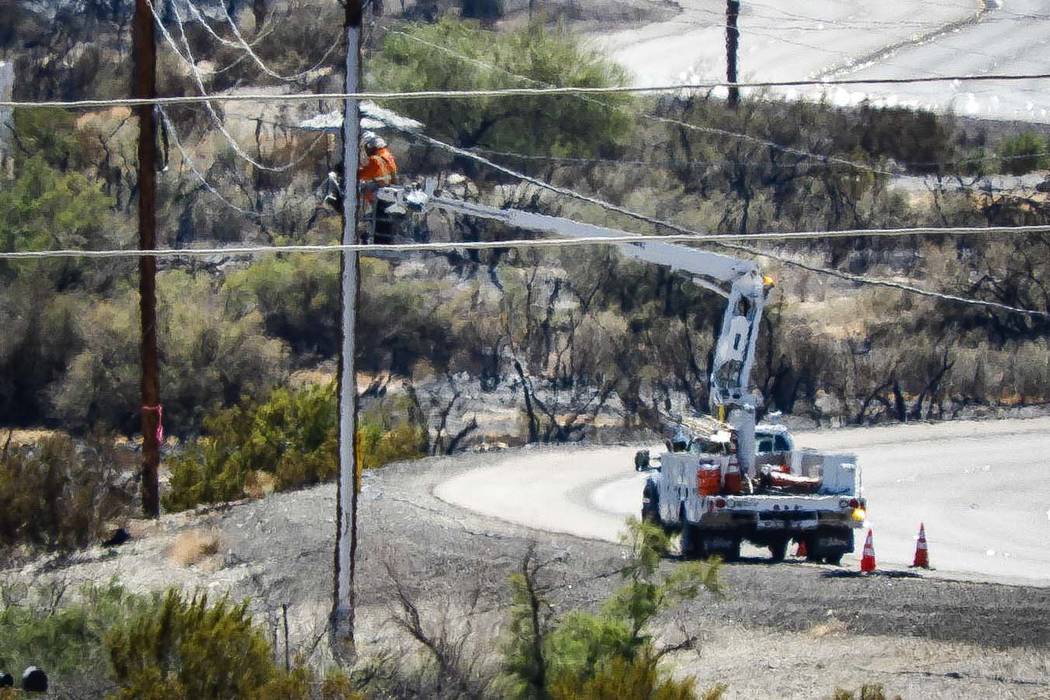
(841, 573)
(747, 561)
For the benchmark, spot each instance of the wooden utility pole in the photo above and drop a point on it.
(346, 495)
(144, 85)
(732, 45)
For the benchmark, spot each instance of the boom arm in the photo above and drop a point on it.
(739, 281)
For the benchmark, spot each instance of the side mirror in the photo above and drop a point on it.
(641, 461)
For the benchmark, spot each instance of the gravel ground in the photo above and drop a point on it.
(794, 629)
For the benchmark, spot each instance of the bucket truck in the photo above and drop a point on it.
(722, 480)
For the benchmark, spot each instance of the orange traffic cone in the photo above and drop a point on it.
(867, 561)
(922, 557)
(802, 551)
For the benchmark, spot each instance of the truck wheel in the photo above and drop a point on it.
(834, 559)
(778, 549)
(651, 505)
(692, 541)
(733, 553)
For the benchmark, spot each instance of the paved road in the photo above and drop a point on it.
(1011, 39)
(982, 489)
(782, 39)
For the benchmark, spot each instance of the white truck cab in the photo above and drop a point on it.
(773, 437)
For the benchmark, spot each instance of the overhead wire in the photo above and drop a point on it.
(683, 235)
(261, 34)
(245, 46)
(666, 120)
(824, 158)
(574, 160)
(188, 160)
(554, 242)
(575, 242)
(719, 239)
(506, 92)
(686, 233)
(230, 139)
(175, 49)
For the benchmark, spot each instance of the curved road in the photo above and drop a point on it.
(784, 39)
(981, 487)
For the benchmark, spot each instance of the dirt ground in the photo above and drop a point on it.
(794, 630)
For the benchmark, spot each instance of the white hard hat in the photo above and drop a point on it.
(371, 139)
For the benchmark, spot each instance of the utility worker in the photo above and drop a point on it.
(379, 170)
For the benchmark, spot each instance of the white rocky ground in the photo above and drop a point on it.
(785, 630)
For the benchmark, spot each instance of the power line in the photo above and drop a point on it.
(575, 242)
(690, 237)
(651, 164)
(666, 224)
(684, 236)
(696, 237)
(199, 175)
(687, 235)
(719, 240)
(191, 62)
(261, 32)
(803, 153)
(665, 120)
(505, 92)
(245, 46)
(171, 42)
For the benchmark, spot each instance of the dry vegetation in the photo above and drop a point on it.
(500, 345)
(192, 547)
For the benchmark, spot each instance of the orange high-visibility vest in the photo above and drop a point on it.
(380, 170)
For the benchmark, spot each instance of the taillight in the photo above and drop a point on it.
(720, 503)
(854, 503)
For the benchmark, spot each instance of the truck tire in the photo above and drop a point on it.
(692, 541)
(832, 552)
(778, 549)
(732, 554)
(651, 505)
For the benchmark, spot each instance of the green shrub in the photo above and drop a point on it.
(637, 678)
(390, 432)
(106, 640)
(607, 654)
(211, 355)
(185, 648)
(292, 438)
(48, 627)
(57, 496)
(553, 55)
(298, 297)
(868, 691)
(1023, 153)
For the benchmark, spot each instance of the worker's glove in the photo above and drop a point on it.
(332, 191)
